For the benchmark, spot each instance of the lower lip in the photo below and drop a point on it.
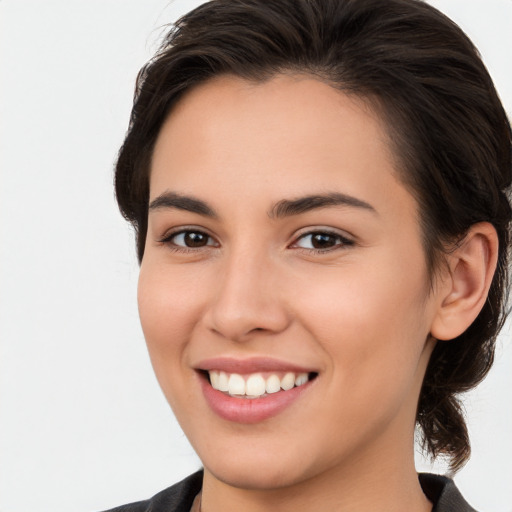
(250, 410)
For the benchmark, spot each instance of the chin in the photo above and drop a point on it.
(254, 476)
(260, 469)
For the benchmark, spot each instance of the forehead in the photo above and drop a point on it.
(293, 100)
(285, 137)
(291, 117)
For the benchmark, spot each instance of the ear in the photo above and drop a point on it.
(465, 284)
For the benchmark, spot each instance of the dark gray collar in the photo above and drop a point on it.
(442, 491)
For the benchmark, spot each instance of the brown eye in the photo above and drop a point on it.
(322, 240)
(193, 239)
(190, 239)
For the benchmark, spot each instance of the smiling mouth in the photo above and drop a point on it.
(256, 385)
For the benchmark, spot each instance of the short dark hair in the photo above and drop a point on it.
(450, 135)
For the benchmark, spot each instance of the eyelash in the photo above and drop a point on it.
(168, 241)
(342, 241)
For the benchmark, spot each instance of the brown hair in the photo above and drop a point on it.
(450, 133)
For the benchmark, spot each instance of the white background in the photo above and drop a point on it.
(83, 424)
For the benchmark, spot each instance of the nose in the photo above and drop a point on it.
(248, 299)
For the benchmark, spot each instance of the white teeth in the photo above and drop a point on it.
(301, 379)
(236, 384)
(255, 385)
(214, 379)
(288, 381)
(222, 382)
(273, 384)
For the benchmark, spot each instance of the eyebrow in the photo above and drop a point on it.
(283, 208)
(181, 202)
(287, 208)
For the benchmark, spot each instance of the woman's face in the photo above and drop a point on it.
(281, 242)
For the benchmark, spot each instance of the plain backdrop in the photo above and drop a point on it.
(83, 424)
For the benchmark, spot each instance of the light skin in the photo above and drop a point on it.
(238, 264)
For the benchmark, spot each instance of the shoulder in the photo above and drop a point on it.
(443, 493)
(177, 498)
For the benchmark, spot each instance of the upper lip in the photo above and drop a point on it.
(250, 365)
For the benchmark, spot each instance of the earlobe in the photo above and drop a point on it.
(466, 283)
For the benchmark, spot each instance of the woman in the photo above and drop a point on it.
(319, 191)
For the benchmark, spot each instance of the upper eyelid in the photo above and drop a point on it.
(178, 233)
(344, 240)
(311, 230)
(184, 229)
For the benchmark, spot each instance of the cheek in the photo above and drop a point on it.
(167, 302)
(168, 308)
(372, 321)
(375, 347)
(355, 302)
